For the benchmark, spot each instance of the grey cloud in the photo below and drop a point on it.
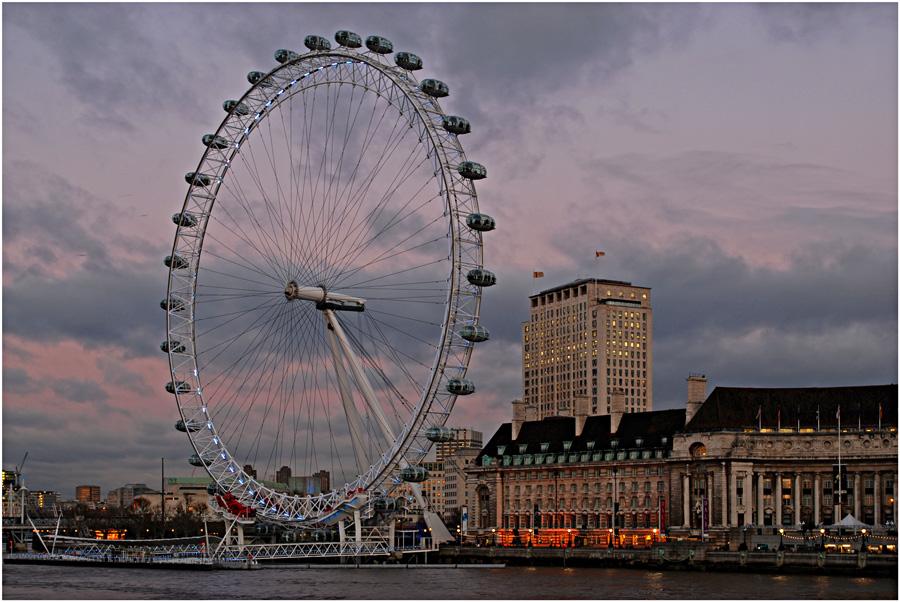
(112, 59)
(93, 452)
(115, 373)
(117, 307)
(806, 22)
(79, 390)
(16, 380)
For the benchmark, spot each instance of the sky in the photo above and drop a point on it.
(741, 160)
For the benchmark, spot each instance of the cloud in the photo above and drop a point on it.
(808, 22)
(79, 390)
(17, 380)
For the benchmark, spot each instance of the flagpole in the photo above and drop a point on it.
(840, 480)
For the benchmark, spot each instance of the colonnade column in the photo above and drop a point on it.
(796, 497)
(857, 495)
(777, 499)
(817, 494)
(709, 499)
(686, 500)
(759, 499)
(732, 493)
(877, 499)
(724, 496)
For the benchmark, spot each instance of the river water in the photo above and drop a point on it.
(54, 582)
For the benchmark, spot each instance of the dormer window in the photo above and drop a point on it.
(638, 442)
(567, 445)
(545, 447)
(664, 440)
(614, 443)
(523, 447)
(590, 444)
(501, 449)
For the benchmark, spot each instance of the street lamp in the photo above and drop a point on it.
(822, 539)
(568, 538)
(863, 545)
(655, 531)
(493, 536)
(610, 546)
(781, 539)
(615, 472)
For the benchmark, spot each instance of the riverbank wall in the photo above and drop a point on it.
(677, 557)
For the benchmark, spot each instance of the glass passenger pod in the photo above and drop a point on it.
(480, 222)
(176, 262)
(213, 489)
(172, 304)
(348, 39)
(475, 333)
(316, 43)
(457, 125)
(178, 386)
(172, 347)
(213, 141)
(184, 219)
(255, 77)
(379, 45)
(238, 108)
(481, 277)
(197, 179)
(460, 386)
(472, 170)
(283, 55)
(434, 88)
(413, 474)
(408, 61)
(439, 434)
(196, 460)
(189, 426)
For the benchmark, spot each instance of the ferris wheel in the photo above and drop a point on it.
(325, 283)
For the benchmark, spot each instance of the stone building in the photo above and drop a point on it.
(455, 492)
(588, 338)
(576, 472)
(769, 457)
(739, 457)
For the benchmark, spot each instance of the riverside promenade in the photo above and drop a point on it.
(677, 556)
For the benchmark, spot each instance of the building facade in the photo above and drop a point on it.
(588, 338)
(739, 457)
(771, 458)
(463, 438)
(455, 492)
(87, 494)
(579, 472)
(42, 500)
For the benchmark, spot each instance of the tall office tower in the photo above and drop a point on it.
(587, 338)
(462, 438)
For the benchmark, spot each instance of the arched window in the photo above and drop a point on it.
(698, 451)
